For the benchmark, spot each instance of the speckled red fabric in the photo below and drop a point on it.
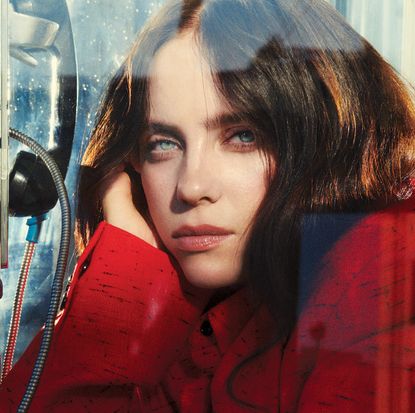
(130, 339)
(126, 319)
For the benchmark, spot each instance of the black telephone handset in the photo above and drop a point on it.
(32, 191)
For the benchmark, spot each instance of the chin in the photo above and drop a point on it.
(210, 276)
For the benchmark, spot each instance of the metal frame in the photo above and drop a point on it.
(4, 132)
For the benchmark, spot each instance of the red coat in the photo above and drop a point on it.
(132, 338)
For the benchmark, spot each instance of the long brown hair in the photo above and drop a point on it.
(335, 118)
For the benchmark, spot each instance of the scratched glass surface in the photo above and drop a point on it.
(103, 30)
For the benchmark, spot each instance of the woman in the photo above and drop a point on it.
(230, 126)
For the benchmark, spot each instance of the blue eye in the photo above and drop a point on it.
(242, 141)
(159, 149)
(164, 145)
(245, 136)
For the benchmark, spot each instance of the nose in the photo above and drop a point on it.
(198, 180)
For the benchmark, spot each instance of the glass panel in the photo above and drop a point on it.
(103, 32)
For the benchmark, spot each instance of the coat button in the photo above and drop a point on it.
(84, 267)
(206, 329)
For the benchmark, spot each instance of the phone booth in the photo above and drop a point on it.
(57, 57)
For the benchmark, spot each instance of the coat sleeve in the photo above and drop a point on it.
(127, 315)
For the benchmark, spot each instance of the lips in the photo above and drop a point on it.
(199, 238)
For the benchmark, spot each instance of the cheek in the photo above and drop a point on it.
(248, 185)
(158, 187)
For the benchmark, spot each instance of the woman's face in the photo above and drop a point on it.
(202, 172)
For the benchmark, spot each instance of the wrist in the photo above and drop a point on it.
(130, 220)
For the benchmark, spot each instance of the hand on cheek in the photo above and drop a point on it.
(120, 210)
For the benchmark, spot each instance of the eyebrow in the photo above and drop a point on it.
(155, 128)
(224, 119)
(216, 122)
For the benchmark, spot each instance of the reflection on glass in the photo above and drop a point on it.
(361, 294)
